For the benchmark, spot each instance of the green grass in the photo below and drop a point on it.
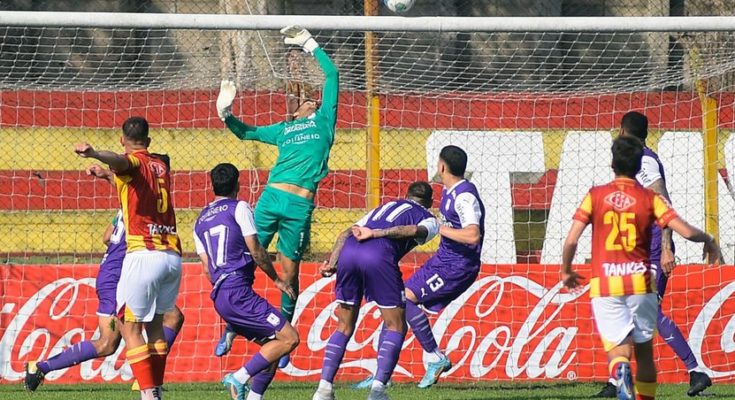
(297, 391)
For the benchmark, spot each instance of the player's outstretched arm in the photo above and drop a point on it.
(468, 235)
(572, 280)
(99, 172)
(117, 162)
(266, 134)
(263, 260)
(295, 35)
(711, 252)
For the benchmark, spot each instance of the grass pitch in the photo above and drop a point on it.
(298, 391)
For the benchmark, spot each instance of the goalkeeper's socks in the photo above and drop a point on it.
(673, 337)
(158, 352)
(139, 360)
(645, 390)
(419, 323)
(259, 384)
(333, 355)
(388, 353)
(73, 355)
(169, 335)
(256, 364)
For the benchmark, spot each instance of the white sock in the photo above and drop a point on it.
(325, 385)
(254, 396)
(378, 386)
(241, 375)
(435, 356)
(147, 394)
(612, 381)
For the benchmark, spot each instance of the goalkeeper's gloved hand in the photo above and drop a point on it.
(296, 35)
(227, 91)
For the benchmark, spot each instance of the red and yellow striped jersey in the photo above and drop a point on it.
(144, 190)
(622, 214)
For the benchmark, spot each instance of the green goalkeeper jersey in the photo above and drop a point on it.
(304, 143)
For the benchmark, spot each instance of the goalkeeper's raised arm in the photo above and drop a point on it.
(303, 145)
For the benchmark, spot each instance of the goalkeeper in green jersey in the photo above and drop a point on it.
(303, 145)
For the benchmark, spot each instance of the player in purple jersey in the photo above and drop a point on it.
(365, 258)
(652, 176)
(454, 267)
(106, 287)
(227, 243)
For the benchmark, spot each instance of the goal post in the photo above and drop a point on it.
(535, 102)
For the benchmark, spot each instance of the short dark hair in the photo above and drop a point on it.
(136, 129)
(626, 156)
(636, 124)
(455, 158)
(422, 192)
(224, 178)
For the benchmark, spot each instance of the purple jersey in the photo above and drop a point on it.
(652, 169)
(394, 213)
(460, 207)
(219, 232)
(117, 246)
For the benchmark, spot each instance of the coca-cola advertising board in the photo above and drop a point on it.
(515, 323)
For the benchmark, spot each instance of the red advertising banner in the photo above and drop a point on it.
(514, 323)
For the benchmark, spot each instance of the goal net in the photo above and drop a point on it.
(535, 111)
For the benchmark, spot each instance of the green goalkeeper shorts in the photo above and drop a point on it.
(287, 214)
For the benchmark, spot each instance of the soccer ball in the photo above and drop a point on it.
(399, 6)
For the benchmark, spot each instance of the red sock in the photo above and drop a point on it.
(159, 353)
(139, 360)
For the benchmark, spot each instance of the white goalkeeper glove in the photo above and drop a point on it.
(227, 91)
(296, 35)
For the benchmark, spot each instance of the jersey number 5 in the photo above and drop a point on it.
(162, 201)
(622, 234)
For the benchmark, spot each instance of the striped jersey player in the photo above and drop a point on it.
(624, 301)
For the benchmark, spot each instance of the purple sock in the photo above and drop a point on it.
(73, 355)
(261, 381)
(256, 364)
(421, 328)
(333, 355)
(388, 353)
(673, 337)
(169, 335)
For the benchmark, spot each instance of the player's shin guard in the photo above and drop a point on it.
(673, 337)
(645, 390)
(261, 381)
(139, 360)
(159, 353)
(73, 355)
(333, 355)
(169, 335)
(388, 353)
(419, 323)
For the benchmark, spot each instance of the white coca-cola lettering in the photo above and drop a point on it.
(499, 342)
(66, 293)
(700, 329)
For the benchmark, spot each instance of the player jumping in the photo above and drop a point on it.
(366, 258)
(151, 272)
(652, 176)
(304, 143)
(227, 243)
(622, 287)
(454, 267)
(106, 287)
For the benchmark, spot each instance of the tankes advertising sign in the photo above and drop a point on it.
(514, 323)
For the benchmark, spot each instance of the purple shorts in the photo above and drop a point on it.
(436, 284)
(249, 315)
(106, 286)
(365, 274)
